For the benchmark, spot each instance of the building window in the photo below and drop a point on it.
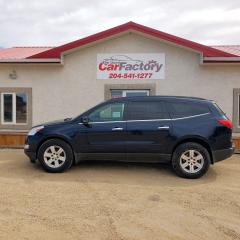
(116, 93)
(127, 90)
(236, 110)
(7, 108)
(15, 108)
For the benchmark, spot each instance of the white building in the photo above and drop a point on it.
(39, 84)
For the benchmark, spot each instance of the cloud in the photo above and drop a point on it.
(59, 21)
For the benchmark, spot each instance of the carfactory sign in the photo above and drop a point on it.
(131, 66)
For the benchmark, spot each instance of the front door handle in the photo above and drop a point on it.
(117, 129)
(163, 128)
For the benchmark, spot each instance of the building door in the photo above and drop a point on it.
(128, 93)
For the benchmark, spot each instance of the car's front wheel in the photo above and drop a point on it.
(55, 156)
(190, 160)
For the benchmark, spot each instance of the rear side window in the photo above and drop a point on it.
(147, 110)
(219, 109)
(186, 109)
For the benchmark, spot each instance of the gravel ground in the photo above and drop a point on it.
(101, 200)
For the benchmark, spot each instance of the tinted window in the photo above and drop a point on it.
(219, 109)
(146, 111)
(186, 109)
(109, 112)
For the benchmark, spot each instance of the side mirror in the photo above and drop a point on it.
(85, 120)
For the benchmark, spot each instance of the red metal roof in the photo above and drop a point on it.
(233, 49)
(206, 50)
(20, 52)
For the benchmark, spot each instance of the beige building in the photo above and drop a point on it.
(39, 84)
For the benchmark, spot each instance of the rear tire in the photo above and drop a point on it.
(190, 160)
(55, 156)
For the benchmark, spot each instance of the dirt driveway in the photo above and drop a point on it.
(117, 201)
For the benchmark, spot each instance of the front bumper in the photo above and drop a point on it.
(30, 149)
(219, 155)
(32, 155)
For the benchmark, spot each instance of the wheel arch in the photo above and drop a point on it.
(59, 138)
(198, 140)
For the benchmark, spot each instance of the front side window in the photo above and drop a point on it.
(146, 110)
(186, 109)
(109, 112)
(14, 108)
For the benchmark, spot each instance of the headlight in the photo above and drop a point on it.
(34, 130)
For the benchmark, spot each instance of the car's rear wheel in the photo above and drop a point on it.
(55, 156)
(190, 160)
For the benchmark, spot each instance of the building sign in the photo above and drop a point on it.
(131, 66)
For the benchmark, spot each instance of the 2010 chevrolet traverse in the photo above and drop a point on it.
(190, 133)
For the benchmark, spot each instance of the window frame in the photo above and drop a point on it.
(236, 110)
(137, 86)
(14, 109)
(14, 125)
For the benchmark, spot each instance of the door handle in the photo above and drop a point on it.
(117, 129)
(163, 128)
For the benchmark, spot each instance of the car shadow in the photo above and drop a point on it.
(148, 174)
(17, 166)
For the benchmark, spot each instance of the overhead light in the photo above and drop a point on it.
(13, 74)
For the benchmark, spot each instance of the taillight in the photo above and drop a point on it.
(226, 122)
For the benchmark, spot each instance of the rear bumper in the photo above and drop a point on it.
(223, 154)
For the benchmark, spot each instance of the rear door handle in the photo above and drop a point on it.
(117, 129)
(163, 127)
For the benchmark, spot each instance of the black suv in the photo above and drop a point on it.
(190, 133)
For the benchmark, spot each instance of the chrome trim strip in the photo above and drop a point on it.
(109, 122)
(151, 120)
(106, 122)
(198, 115)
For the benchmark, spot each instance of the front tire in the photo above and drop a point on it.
(55, 156)
(190, 160)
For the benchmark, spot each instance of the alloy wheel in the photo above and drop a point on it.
(54, 156)
(191, 161)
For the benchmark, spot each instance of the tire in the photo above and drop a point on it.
(190, 160)
(55, 156)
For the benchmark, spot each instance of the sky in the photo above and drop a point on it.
(55, 22)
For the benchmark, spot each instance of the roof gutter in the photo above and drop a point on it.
(34, 60)
(221, 59)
